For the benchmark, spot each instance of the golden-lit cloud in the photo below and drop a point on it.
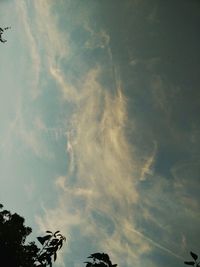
(53, 40)
(99, 192)
(122, 192)
(101, 177)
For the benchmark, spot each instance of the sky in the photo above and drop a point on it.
(99, 126)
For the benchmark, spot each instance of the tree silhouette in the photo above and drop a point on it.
(99, 260)
(14, 252)
(51, 243)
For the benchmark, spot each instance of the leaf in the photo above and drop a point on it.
(42, 257)
(189, 262)
(49, 232)
(97, 256)
(46, 237)
(54, 241)
(56, 233)
(194, 256)
(60, 244)
(59, 235)
(49, 260)
(41, 240)
(55, 256)
(50, 249)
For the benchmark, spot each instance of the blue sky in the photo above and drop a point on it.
(100, 128)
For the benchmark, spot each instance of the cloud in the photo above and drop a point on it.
(30, 189)
(147, 168)
(69, 92)
(27, 31)
(186, 175)
(53, 41)
(155, 244)
(100, 180)
(101, 186)
(98, 39)
(164, 205)
(105, 195)
(35, 28)
(113, 197)
(20, 130)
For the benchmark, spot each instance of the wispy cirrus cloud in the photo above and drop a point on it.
(101, 178)
(147, 167)
(105, 195)
(124, 191)
(29, 35)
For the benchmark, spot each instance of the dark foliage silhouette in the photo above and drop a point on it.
(99, 260)
(1, 33)
(51, 243)
(15, 252)
(194, 262)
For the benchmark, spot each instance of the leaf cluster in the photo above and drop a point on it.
(51, 243)
(13, 233)
(14, 251)
(99, 260)
(194, 262)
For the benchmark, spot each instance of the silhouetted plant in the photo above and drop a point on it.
(51, 243)
(15, 252)
(194, 262)
(1, 33)
(99, 260)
